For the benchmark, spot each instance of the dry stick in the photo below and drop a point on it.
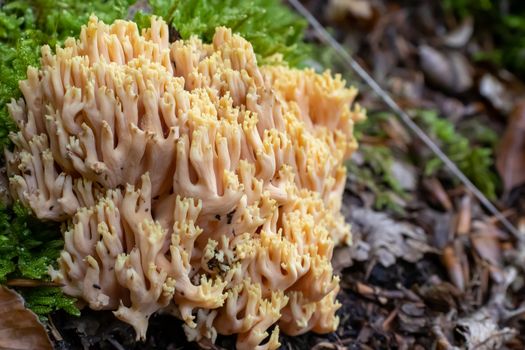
(325, 37)
(25, 282)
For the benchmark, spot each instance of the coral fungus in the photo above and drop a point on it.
(190, 179)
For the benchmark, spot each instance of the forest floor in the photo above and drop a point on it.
(429, 268)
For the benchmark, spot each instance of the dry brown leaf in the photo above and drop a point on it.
(464, 216)
(452, 263)
(437, 192)
(19, 327)
(486, 241)
(510, 158)
(487, 245)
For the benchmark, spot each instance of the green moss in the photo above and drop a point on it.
(44, 300)
(473, 156)
(28, 247)
(270, 26)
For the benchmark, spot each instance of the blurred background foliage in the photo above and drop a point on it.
(506, 29)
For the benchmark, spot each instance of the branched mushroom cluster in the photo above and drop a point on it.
(190, 179)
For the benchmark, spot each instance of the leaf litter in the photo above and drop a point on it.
(429, 268)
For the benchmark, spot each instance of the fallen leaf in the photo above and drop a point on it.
(437, 193)
(464, 216)
(488, 248)
(481, 331)
(412, 317)
(496, 93)
(486, 243)
(450, 70)
(405, 174)
(459, 37)
(19, 327)
(452, 263)
(510, 158)
(379, 237)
